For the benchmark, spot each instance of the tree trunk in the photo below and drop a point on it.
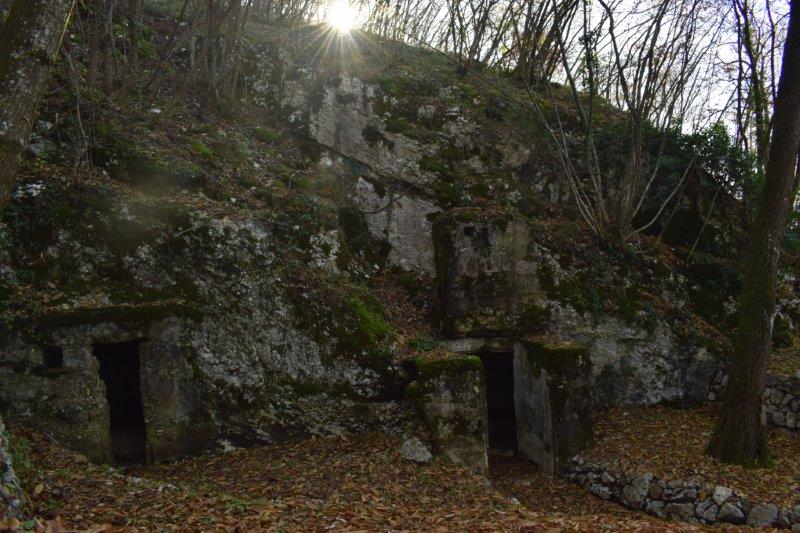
(739, 435)
(31, 37)
(95, 32)
(107, 45)
(134, 35)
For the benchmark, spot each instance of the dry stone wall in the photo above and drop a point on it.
(11, 496)
(687, 500)
(782, 401)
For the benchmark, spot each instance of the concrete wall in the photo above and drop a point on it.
(71, 400)
(553, 403)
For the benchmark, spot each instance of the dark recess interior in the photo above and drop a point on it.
(119, 369)
(53, 357)
(499, 370)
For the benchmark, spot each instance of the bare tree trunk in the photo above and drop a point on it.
(95, 34)
(107, 46)
(739, 435)
(134, 34)
(31, 38)
(758, 91)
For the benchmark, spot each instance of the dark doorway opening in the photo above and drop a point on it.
(499, 371)
(53, 357)
(119, 369)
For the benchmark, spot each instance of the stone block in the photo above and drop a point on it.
(721, 494)
(635, 492)
(680, 511)
(730, 513)
(785, 518)
(486, 274)
(776, 396)
(553, 402)
(450, 395)
(707, 511)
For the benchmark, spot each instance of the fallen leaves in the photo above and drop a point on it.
(670, 443)
(321, 484)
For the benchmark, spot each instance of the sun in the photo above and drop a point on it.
(342, 16)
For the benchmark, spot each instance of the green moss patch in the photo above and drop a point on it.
(266, 135)
(425, 369)
(201, 149)
(553, 355)
(145, 312)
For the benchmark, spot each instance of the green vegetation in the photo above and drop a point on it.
(266, 135)
(200, 148)
(371, 327)
(426, 369)
(20, 448)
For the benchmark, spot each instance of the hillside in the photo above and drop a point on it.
(346, 249)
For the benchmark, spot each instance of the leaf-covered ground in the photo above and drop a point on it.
(670, 443)
(785, 361)
(355, 484)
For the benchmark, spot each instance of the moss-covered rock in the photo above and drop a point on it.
(553, 400)
(450, 395)
(483, 288)
(12, 499)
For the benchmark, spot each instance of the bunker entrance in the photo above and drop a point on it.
(499, 371)
(119, 369)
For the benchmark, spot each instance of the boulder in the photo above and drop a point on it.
(762, 515)
(730, 513)
(636, 491)
(415, 450)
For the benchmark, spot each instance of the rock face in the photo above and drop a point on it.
(402, 220)
(11, 496)
(249, 329)
(417, 152)
(227, 349)
(633, 364)
(495, 280)
(553, 404)
(450, 396)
